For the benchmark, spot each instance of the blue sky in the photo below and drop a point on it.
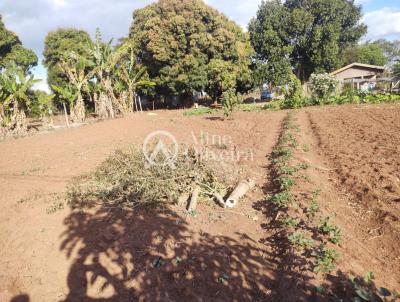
(33, 19)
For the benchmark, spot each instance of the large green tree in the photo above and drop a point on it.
(12, 51)
(368, 53)
(58, 45)
(311, 33)
(176, 41)
(268, 34)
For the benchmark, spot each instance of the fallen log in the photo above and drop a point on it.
(241, 189)
(193, 199)
(183, 199)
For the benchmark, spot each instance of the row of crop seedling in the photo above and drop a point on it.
(305, 229)
(297, 217)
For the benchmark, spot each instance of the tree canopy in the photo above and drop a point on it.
(391, 49)
(368, 53)
(311, 34)
(181, 42)
(12, 51)
(58, 44)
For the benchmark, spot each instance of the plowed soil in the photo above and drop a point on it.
(363, 145)
(49, 252)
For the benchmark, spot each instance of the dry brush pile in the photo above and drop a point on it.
(126, 179)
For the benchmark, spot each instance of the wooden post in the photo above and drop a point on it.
(140, 104)
(66, 115)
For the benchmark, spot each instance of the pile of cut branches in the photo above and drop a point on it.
(125, 178)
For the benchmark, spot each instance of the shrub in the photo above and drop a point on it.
(273, 105)
(293, 94)
(230, 100)
(322, 86)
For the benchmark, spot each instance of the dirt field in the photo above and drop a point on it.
(51, 253)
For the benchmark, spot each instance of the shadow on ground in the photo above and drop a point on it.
(124, 255)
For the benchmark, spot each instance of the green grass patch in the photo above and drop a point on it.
(199, 111)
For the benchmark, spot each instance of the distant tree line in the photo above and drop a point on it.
(176, 48)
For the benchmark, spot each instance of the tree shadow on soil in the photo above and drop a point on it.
(151, 255)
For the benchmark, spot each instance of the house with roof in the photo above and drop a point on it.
(359, 76)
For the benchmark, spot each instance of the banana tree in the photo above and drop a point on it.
(75, 67)
(105, 61)
(134, 77)
(68, 95)
(46, 107)
(15, 86)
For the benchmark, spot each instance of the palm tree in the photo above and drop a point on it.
(15, 86)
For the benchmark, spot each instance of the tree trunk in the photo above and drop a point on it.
(78, 112)
(66, 115)
(18, 120)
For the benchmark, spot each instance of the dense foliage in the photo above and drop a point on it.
(56, 46)
(368, 53)
(322, 86)
(188, 46)
(12, 51)
(268, 37)
(310, 33)
(14, 100)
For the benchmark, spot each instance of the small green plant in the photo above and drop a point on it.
(230, 100)
(313, 207)
(306, 148)
(286, 183)
(300, 240)
(281, 200)
(365, 290)
(290, 222)
(324, 259)
(327, 228)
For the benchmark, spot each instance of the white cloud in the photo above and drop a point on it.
(238, 10)
(383, 23)
(362, 2)
(59, 3)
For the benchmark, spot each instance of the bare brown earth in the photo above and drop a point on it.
(51, 254)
